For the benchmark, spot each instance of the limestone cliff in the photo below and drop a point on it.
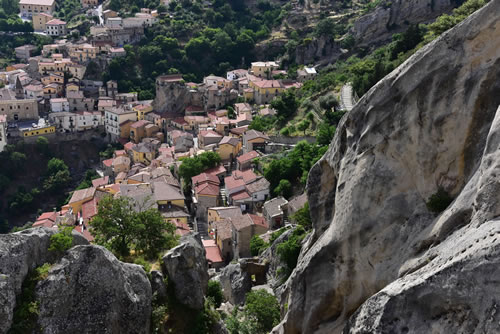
(387, 19)
(379, 260)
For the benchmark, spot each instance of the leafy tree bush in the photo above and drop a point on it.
(42, 145)
(264, 308)
(284, 189)
(275, 235)
(262, 124)
(303, 217)
(27, 307)
(214, 293)
(193, 166)
(289, 250)
(57, 176)
(304, 125)
(325, 134)
(286, 104)
(257, 245)
(118, 227)
(61, 241)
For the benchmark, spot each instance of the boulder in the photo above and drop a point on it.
(187, 268)
(21, 252)
(235, 283)
(158, 285)
(89, 290)
(431, 124)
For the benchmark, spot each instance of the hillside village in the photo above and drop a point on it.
(228, 204)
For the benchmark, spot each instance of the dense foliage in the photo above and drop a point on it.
(289, 250)
(214, 293)
(293, 167)
(439, 201)
(303, 217)
(223, 34)
(193, 166)
(62, 240)
(118, 227)
(260, 314)
(27, 307)
(257, 245)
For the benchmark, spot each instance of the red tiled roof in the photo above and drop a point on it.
(247, 176)
(204, 178)
(108, 162)
(120, 152)
(89, 209)
(247, 156)
(48, 215)
(179, 120)
(258, 220)
(207, 189)
(240, 195)
(216, 170)
(140, 123)
(44, 223)
(209, 133)
(181, 228)
(128, 146)
(102, 181)
(213, 254)
(232, 183)
(55, 21)
(268, 84)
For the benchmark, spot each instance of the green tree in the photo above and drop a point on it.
(287, 104)
(214, 292)
(264, 308)
(284, 189)
(193, 166)
(42, 145)
(153, 234)
(57, 176)
(114, 225)
(325, 134)
(303, 217)
(257, 245)
(304, 125)
(61, 241)
(289, 250)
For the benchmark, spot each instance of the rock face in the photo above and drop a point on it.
(380, 24)
(187, 268)
(90, 291)
(19, 253)
(235, 283)
(432, 123)
(158, 285)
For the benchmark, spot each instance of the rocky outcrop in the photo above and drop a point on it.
(381, 23)
(91, 291)
(321, 50)
(270, 255)
(235, 283)
(19, 253)
(432, 123)
(158, 285)
(187, 269)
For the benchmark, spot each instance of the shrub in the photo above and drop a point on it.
(26, 310)
(303, 217)
(61, 241)
(214, 293)
(257, 245)
(264, 308)
(275, 235)
(439, 201)
(289, 250)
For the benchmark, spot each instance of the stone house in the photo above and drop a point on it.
(243, 229)
(223, 237)
(208, 137)
(121, 164)
(144, 153)
(307, 73)
(59, 104)
(229, 148)
(205, 188)
(245, 161)
(79, 197)
(29, 7)
(254, 140)
(275, 212)
(40, 20)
